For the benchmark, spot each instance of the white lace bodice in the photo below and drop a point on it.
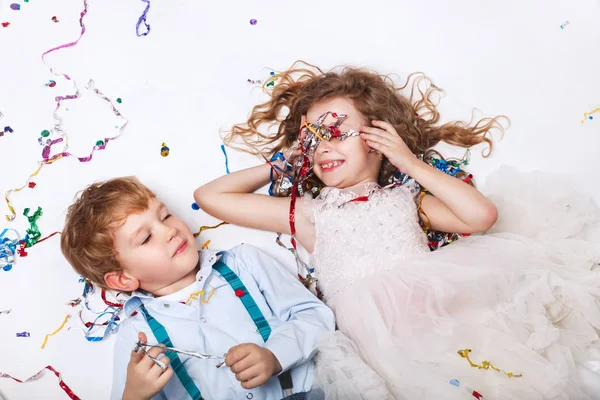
(358, 239)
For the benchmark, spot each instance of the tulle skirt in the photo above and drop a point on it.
(522, 302)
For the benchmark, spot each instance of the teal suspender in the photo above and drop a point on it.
(161, 335)
(243, 294)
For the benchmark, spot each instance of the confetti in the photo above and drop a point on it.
(195, 206)
(54, 19)
(119, 100)
(485, 364)
(258, 82)
(205, 245)
(455, 382)
(164, 150)
(37, 376)
(253, 21)
(5, 24)
(589, 116)
(49, 159)
(23, 334)
(15, 6)
(5, 311)
(206, 227)
(564, 24)
(8, 129)
(226, 158)
(8, 248)
(50, 83)
(143, 19)
(57, 129)
(55, 332)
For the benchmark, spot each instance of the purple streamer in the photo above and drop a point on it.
(143, 19)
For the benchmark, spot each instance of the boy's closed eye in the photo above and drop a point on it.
(147, 239)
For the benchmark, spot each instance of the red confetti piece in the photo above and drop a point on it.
(31, 184)
(239, 293)
(21, 249)
(5, 24)
(54, 19)
(37, 376)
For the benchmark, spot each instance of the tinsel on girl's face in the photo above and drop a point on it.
(310, 136)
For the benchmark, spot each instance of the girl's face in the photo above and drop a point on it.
(343, 163)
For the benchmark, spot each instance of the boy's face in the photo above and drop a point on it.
(157, 252)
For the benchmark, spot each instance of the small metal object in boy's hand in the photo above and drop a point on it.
(142, 347)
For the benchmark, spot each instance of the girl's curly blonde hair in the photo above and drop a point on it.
(414, 115)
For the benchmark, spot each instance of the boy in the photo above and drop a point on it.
(119, 236)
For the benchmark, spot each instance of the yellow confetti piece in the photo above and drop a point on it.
(485, 364)
(205, 245)
(588, 115)
(206, 227)
(56, 331)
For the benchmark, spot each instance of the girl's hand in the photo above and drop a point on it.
(384, 138)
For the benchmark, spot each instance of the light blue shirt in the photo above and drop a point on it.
(297, 319)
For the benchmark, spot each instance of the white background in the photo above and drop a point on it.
(188, 79)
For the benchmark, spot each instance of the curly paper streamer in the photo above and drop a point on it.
(55, 332)
(49, 159)
(57, 132)
(588, 115)
(113, 311)
(57, 127)
(143, 19)
(8, 248)
(33, 233)
(226, 158)
(206, 227)
(485, 364)
(37, 376)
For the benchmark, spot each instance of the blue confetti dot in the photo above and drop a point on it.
(272, 72)
(195, 206)
(455, 382)
(7, 267)
(590, 117)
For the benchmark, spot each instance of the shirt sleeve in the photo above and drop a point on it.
(123, 347)
(306, 317)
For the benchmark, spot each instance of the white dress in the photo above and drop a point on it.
(525, 296)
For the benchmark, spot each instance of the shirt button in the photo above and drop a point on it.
(212, 259)
(166, 305)
(203, 319)
(249, 396)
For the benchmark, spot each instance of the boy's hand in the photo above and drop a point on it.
(252, 365)
(144, 378)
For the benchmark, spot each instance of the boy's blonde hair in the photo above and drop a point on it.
(87, 240)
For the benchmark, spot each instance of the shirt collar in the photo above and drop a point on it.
(207, 258)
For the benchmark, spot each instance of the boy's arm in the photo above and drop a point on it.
(307, 318)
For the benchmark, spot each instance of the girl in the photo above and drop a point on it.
(498, 315)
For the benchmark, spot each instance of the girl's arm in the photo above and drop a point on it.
(455, 206)
(231, 198)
